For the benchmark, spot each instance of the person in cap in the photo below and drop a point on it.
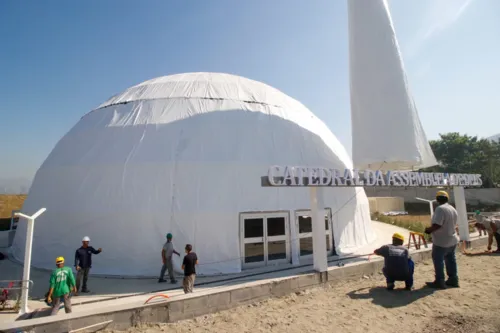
(492, 227)
(480, 219)
(398, 265)
(189, 267)
(62, 282)
(83, 263)
(444, 243)
(166, 256)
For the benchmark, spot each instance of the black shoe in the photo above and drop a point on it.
(436, 285)
(390, 286)
(162, 280)
(173, 281)
(452, 284)
(85, 291)
(408, 288)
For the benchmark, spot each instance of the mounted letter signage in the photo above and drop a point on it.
(310, 176)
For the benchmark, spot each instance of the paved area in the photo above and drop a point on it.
(112, 291)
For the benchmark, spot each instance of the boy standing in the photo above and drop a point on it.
(398, 265)
(188, 265)
(62, 281)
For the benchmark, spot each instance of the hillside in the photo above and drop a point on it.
(494, 137)
(10, 202)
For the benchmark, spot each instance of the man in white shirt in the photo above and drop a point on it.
(444, 243)
(166, 257)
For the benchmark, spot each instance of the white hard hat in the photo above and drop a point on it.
(86, 239)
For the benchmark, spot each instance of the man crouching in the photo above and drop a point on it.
(398, 265)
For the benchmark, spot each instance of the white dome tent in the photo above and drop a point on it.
(184, 154)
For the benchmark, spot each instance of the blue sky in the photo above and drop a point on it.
(60, 59)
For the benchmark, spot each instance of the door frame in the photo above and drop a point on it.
(328, 213)
(265, 239)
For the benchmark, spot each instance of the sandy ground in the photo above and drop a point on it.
(365, 306)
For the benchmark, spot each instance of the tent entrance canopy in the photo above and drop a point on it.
(299, 176)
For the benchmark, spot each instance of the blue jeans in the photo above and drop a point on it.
(445, 257)
(409, 279)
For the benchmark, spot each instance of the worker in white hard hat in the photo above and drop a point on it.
(83, 263)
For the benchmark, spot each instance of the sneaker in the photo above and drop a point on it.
(162, 280)
(390, 286)
(436, 285)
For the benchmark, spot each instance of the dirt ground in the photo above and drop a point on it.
(365, 306)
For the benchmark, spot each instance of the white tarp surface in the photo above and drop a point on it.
(386, 130)
(182, 154)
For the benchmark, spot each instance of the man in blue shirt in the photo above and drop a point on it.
(83, 263)
(398, 265)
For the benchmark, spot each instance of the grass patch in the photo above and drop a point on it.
(406, 223)
(411, 223)
(10, 202)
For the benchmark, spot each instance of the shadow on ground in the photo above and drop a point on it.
(390, 299)
(494, 254)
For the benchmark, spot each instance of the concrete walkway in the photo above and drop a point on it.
(109, 292)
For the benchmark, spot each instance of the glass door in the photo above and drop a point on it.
(304, 226)
(253, 241)
(277, 239)
(264, 239)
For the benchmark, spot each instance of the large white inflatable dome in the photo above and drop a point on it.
(184, 154)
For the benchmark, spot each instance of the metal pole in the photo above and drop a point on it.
(318, 232)
(27, 259)
(27, 264)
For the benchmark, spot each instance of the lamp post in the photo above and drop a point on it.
(27, 258)
(431, 207)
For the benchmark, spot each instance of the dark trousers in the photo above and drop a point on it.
(497, 238)
(56, 303)
(408, 280)
(82, 273)
(445, 257)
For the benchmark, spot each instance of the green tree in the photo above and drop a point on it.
(458, 153)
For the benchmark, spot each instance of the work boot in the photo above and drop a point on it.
(452, 283)
(436, 284)
(390, 286)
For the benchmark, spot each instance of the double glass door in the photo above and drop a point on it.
(265, 239)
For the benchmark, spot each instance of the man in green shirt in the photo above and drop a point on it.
(62, 282)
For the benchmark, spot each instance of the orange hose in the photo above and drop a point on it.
(154, 296)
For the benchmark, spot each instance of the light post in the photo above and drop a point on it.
(27, 258)
(431, 207)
